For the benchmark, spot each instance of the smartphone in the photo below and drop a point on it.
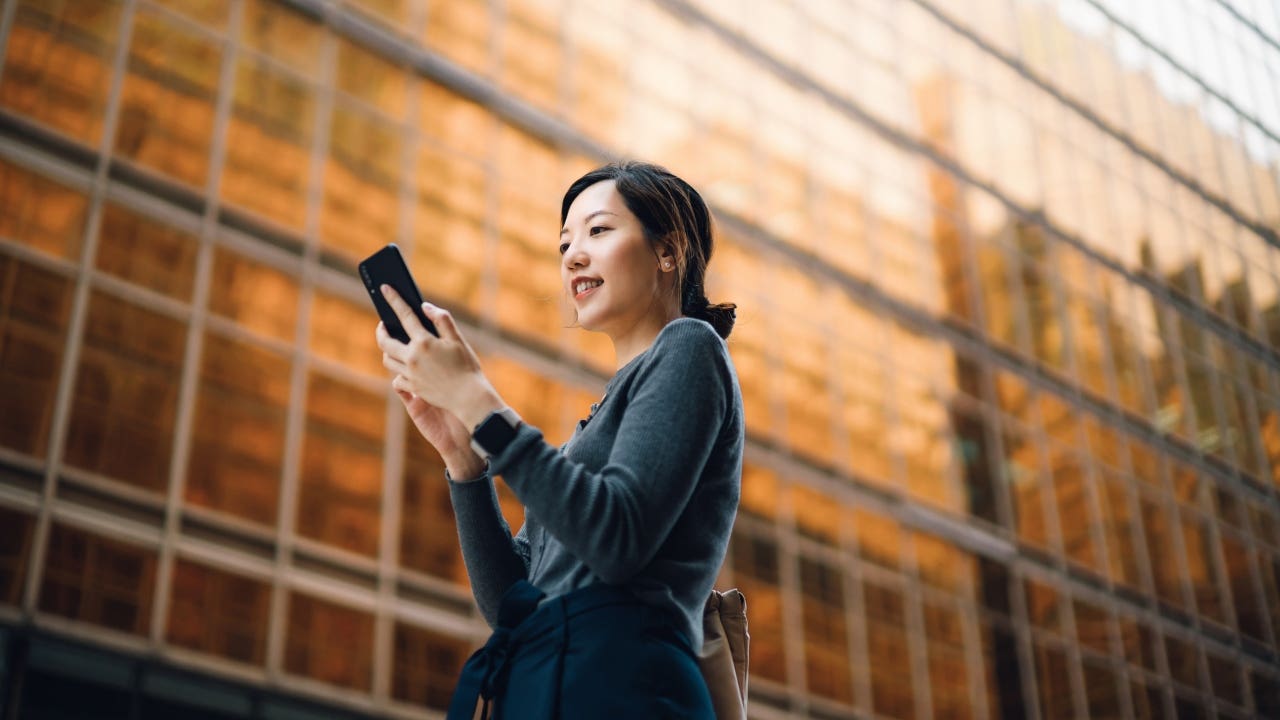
(386, 267)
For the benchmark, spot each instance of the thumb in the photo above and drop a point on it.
(443, 322)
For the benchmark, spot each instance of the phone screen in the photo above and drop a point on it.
(387, 267)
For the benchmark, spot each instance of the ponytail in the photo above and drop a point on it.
(721, 316)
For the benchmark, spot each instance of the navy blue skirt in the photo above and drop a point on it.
(594, 652)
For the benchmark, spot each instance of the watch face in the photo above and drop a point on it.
(494, 434)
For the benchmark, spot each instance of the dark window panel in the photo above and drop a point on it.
(887, 646)
(219, 612)
(145, 252)
(426, 666)
(35, 307)
(126, 393)
(15, 549)
(1053, 682)
(428, 529)
(100, 581)
(329, 642)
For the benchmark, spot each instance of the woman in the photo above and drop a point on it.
(597, 601)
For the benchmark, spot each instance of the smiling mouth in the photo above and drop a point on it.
(582, 287)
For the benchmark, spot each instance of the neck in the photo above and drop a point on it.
(636, 339)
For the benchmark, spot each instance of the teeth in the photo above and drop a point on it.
(584, 285)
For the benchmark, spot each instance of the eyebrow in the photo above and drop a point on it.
(588, 218)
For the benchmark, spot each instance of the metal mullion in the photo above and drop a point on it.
(295, 424)
(917, 642)
(1022, 629)
(784, 532)
(390, 512)
(857, 636)
(190, 373)
(79, 310)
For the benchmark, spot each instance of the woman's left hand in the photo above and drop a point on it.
(444, 371)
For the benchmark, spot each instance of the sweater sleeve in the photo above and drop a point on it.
(615, 520)
(495, 560)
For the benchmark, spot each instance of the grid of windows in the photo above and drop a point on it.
(1009, 311)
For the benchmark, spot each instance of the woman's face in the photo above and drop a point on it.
(608, 269)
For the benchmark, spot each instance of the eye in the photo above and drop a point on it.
(598, 229)
(564, 248)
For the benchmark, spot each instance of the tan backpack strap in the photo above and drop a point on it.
(724, 654)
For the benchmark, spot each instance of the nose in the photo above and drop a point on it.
(575, 257)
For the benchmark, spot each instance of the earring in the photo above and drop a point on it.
(666, 264)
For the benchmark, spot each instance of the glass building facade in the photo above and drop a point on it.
(1009, 285)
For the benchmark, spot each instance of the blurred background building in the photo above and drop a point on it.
(1008, 331)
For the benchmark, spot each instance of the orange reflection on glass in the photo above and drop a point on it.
(166, 111)
(948, 668)
(449, 253)
(761, 490)
(96, 580)
(943, 565)
(237, 445)
(339, 501)
(142, 251)
(35, 306)
(257, 296)
(891, 691)
(57, 64)
(269, 136)
(126, 393)
(283, 34)
(219, 612)
(531, 57)
(428, 529)
(529, 267)
(344, 332)
(817, 514)
(460, 30)
(826, 634)
(538, 399)
(879, 538)
(426, 665)
(360, 209)
(40, 213)
(805, 363)
(755, 572)
(329, 642)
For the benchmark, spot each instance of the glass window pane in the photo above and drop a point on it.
(237, 445)
(219, 612)
(99, 581)
(15, 548)
(361, 202)
(449, 253)
(145, 252)
(261, 298)
(268, 146)
(531, 55)
(1053, 682)
(755, 572)
(69, 95)
(35, 306)
(343, 331)
(887, 646)
(817, 514)
(364, 75)
(761, 491)
(428, 530)
(329, 642)
(948, 668)
(283, 34)
(826, 636)
(174, 67)
(459, 30)
(341, 484)
(126, 393)
(40, 213)
(426, 666)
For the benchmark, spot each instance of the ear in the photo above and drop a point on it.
(666, 258)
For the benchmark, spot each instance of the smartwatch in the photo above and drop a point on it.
(495, 432)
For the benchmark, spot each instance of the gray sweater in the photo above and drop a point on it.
(643, 495)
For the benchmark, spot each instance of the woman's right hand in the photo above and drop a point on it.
(445, 433)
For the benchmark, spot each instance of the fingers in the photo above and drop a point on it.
(408, 320)
(390, 347)
(443, 322)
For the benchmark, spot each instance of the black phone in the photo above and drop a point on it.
(386, 267)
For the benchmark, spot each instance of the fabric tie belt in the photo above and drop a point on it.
(524, 620)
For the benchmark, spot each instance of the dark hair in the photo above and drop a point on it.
(673, 214)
